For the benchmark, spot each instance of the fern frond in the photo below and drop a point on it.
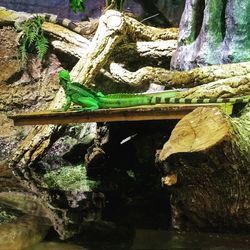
(34, 29)
(22, 52)
(33, 33)
(32, 37)
(42, 46)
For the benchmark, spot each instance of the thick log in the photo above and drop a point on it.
(215, 76)
(140, 31)
(206, 161)
(113, 27)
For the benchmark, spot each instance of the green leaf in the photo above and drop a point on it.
(22, 52)
(77, 5)
(32, 37)
(41, 46)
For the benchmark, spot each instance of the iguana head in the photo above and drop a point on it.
(64, 75)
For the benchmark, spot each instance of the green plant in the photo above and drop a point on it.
(69, 179)
(77, 5)
(32, 38)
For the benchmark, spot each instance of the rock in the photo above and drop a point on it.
(27, 230)
(93, 9)
(213, 32)
(171, 10)
(9, 65)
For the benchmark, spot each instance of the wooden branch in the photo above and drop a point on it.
(229, 87)
(207, 159)
(9, 17)
(110, 32)
(69, 49)
(160, 50)
(233, 75)
(140, 31)
(62, 33)
(149, 53)
(142, 77)
(206, 74)
(138, 113)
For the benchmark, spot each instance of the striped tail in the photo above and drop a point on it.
(67, 23)
(243, 99)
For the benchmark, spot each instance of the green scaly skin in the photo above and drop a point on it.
(91, 100)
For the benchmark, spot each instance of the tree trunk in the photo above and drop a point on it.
(207, 156)
(206, 160)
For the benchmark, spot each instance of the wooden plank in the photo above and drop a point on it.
(156, 112)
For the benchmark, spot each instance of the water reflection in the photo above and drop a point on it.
(153, 239)
(27, 231)
(160, 240)
(55, 246)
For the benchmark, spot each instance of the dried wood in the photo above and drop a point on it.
(206, 160)
(142, 113)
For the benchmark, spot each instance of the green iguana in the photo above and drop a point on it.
(91, 100)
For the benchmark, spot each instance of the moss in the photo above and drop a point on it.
(6, 217)
(195, 22)
(240, 48)
(69, 179)
(215, 22)
(215, 31)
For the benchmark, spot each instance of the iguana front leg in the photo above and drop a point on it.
(67, 104)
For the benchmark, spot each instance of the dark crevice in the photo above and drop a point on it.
(76, 154)
(223, 18)
(15, 77)
(198, 17)
(150, 10)
(130, 179)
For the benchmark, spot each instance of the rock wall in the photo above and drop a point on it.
(171, 10)
(213, 32)
(93, 8)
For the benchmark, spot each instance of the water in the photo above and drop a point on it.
(159, 239)
(152, 239)
(27, 232)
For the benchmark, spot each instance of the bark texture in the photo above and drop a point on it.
(206, 161)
